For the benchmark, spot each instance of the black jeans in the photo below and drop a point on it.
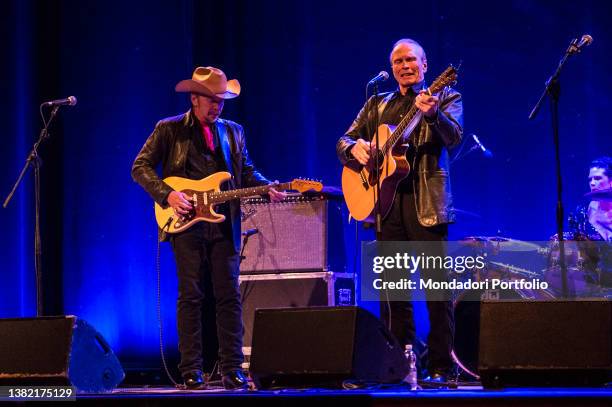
(402, 224)
(208, 248)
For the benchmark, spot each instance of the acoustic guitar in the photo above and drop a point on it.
(359, 187)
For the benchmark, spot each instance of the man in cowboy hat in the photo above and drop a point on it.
(195, 145)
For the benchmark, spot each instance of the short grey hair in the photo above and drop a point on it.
(408, 41)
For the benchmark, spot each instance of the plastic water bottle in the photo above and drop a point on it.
(411, 377)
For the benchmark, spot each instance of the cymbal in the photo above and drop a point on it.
(601, 195)
(514, 270)
(499, 243)
(471, 240)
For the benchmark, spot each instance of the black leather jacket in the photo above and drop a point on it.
(169, 144)
(431, 181)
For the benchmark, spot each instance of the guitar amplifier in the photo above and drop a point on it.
(298, 234)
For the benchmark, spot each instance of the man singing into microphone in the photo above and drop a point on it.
(422, 208)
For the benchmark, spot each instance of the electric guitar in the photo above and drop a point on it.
(359, 187)
(204, 194)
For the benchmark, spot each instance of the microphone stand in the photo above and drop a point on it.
(245, 240)
(377, 172)
(34, 161)
(553, 89)
(460, 155)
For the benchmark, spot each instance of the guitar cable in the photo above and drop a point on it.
(375, 109)
(159, 315)
(162, 353)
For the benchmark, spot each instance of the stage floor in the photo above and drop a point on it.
(463, 396)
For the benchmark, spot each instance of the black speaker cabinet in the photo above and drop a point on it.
(541, 343)
(57, 350)
(297, 234)
(323, 346)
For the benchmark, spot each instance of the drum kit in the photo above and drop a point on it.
(581, 254)
(600, 195)
(466, 303)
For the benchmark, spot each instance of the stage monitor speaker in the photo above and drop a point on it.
(293, 236)
(62, 350)
(545, 343)
(323, 346)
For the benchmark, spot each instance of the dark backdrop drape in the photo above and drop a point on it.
(303, 67)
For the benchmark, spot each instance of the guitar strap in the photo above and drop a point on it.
(383, 103)
(225, 147)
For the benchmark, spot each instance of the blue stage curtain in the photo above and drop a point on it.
(18, 123)
(303, 67)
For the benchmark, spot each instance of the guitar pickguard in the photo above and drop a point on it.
(201, 210)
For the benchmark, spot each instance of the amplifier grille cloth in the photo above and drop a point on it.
(292, 236)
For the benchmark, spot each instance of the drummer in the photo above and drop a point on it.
(594, 221)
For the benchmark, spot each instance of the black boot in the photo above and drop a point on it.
(234, 380)
(194, 381)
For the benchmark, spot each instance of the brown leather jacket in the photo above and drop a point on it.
(432, 181)
(169, 144)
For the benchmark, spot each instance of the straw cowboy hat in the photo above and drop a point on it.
(210, 81)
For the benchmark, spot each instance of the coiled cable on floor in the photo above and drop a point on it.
(159, 319)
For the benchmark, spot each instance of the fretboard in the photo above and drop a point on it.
(399, 130)
(447, 77)
(222, 196)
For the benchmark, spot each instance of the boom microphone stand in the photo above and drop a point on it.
(377, 172)
(382, 76)
(33, 160)
(552, 89)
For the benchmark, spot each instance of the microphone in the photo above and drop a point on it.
(250, 232)
(382, 76)
(69, 101)
(487, 153)
(584, 41)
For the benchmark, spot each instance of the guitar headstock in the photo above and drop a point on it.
(446, 78)
(303, 185)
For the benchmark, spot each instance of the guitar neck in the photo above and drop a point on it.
(399, 130)
(447, 77)
(222, 196)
